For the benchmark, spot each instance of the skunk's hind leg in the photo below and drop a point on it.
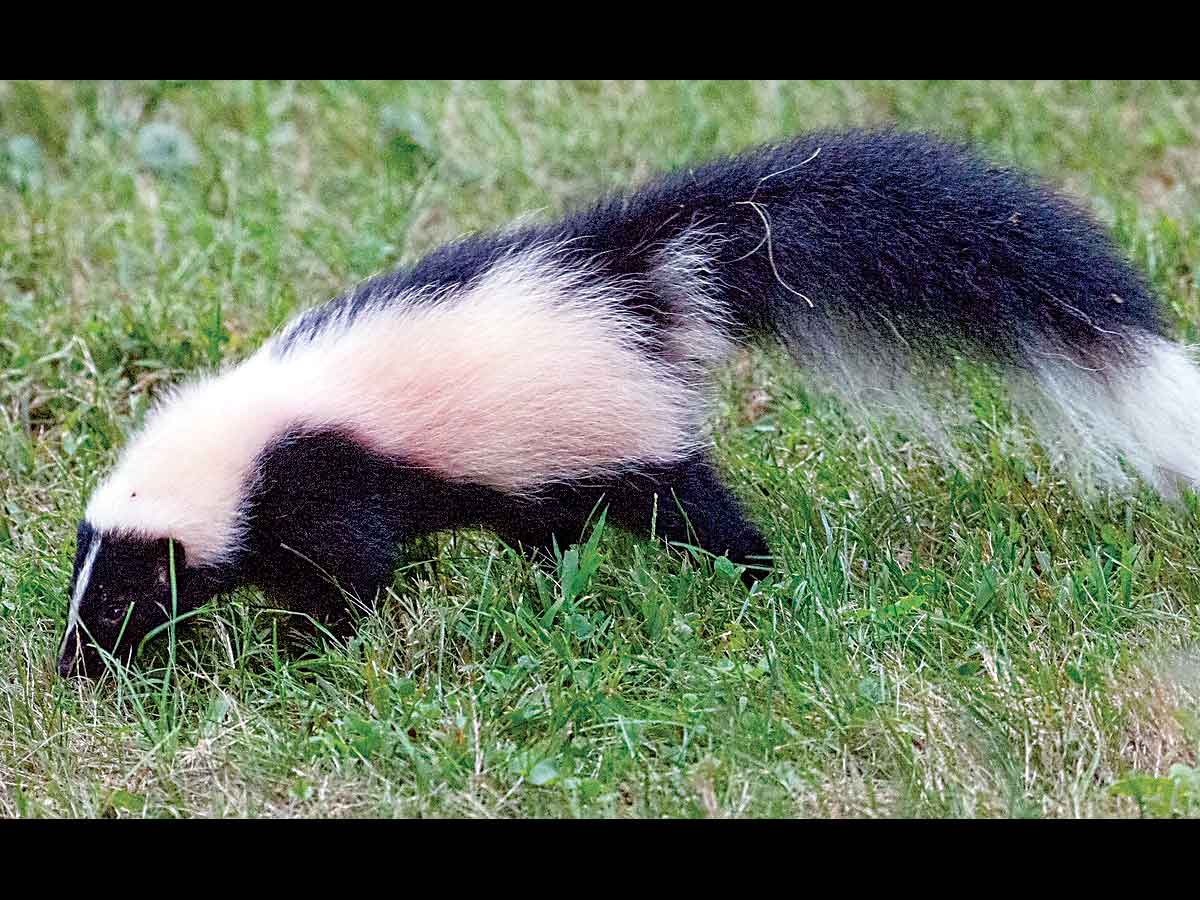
(686, 502)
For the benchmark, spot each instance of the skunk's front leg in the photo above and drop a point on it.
(334, 583)
(329, 519)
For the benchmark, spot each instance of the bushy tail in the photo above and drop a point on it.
(881, 258)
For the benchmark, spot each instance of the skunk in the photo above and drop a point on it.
(515, 380)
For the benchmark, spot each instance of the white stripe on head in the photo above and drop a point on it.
(81, 583)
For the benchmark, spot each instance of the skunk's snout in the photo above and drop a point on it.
(68, 656)
(77, 659)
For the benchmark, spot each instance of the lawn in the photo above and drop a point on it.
(939, 640)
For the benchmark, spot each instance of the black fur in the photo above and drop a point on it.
(129, 594)
(897, 237)
(330, 518)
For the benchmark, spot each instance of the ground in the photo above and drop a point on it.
(940, 641)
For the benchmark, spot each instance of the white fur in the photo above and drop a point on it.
(1139, 415)
(1148, 416)
(531, 376)
(684, 275)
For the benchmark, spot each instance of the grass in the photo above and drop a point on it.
(937, 642)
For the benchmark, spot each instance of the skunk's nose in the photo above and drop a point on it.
(66, 664)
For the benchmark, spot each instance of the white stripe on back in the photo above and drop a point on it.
(534, 374)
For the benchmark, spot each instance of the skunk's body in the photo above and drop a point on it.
(513, 380)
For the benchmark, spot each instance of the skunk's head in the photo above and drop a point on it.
(120, 592)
